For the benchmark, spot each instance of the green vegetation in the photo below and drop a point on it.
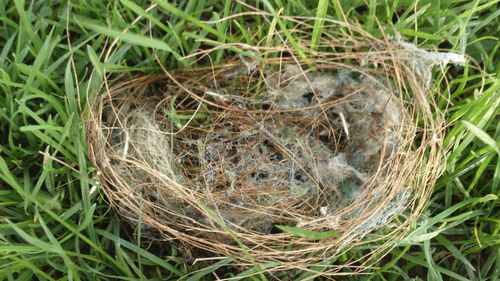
(56, 225)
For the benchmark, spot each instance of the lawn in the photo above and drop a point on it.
(56, 223)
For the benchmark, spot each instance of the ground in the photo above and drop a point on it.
(55, 223)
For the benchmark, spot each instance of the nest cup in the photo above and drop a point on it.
(275, 156)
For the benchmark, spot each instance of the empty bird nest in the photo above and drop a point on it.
(275, 156)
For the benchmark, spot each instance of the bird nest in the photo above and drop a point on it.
(275, 157)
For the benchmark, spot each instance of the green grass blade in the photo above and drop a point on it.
(482, 135)
(145, 254)
(314, 235)
(209, 269)
(321, 12)
(132, 38)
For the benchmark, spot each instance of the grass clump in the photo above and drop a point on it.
(56, 225)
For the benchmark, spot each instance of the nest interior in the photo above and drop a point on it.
(233, 159)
